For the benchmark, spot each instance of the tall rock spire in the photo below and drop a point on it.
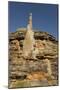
(30, 21)
(29, 38)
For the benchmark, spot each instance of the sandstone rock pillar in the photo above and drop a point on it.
(48, 67)
(29, 38)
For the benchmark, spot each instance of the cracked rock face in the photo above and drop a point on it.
(27, 71)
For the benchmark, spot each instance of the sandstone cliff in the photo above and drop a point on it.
(26, 72)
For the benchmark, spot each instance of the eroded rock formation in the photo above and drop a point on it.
(28, 70)
(40, 67)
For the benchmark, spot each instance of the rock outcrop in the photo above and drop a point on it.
(26, 72)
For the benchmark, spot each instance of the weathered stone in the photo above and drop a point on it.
(32, 70)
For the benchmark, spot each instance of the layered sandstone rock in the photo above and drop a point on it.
(25, 72)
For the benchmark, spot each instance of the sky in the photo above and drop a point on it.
(44, 16)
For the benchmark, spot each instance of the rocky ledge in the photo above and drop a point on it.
(27, 72)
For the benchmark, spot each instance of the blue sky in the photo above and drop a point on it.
(44, 16)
